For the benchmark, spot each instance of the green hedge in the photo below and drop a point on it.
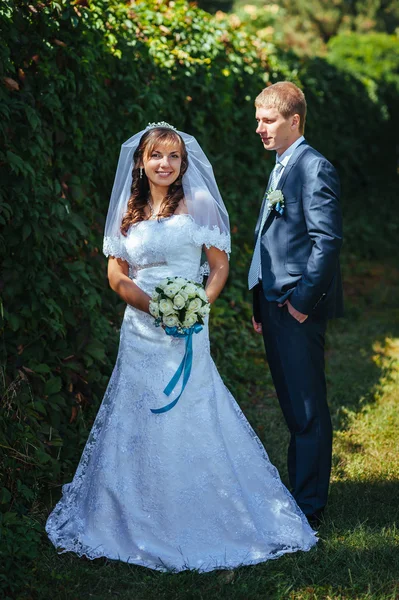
(373, 59)
(374, 55)
(76, 81)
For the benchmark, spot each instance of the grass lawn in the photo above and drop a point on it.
(358, 553)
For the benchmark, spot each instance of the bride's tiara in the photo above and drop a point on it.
(160, 124)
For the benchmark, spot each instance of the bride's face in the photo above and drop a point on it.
(162, 164)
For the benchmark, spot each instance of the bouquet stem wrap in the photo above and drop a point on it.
(184, 367)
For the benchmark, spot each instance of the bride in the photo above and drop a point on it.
(191, 487)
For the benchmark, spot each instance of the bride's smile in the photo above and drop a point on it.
(162, 165)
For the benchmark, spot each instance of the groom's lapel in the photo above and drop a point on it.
(297, 153)
(262, 208)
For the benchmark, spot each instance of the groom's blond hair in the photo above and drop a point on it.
(287, 98)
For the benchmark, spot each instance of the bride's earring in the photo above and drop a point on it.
(141, 172)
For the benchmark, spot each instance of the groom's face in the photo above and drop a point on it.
(276, 132)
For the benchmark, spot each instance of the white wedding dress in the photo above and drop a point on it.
(191, 488)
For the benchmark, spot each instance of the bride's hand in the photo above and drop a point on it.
(257, 326)
(119, 281)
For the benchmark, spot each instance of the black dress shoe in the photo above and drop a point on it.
(315, 519)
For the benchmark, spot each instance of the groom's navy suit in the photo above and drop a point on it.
(300, 261)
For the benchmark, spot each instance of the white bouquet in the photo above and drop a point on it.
(179, 303)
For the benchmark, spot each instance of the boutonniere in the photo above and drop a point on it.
(275, 199)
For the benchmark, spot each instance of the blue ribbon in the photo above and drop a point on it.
(184, 367)
(279, 208)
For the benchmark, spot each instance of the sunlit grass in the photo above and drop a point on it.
(368, 447)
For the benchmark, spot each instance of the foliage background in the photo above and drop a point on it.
(307, 26)
(77, 79)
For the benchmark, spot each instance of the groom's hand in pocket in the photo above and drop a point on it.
(257, 326)
(300, 317)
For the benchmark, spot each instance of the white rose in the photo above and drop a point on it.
(170, 320)
(166, 306)
(180, 281)
(190, 320)
(155, 296)
(195, 305)
(154, 309)
(202, 295)
(275, 197)
(190, 290)
(163, 283)
(183, 294)
(171, 289)
(178, 301)
(204, 311)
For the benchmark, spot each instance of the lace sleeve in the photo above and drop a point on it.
(115, 246)
(204, 236)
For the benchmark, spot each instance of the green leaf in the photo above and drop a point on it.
(33, 117)
(78, 223)
(16, 163)
(42, 368)
(95, 350)
(53, 386)
(42, 457)
(57, 400)
(5, 496)
(26, 230)
(13, 322)
(39, 406)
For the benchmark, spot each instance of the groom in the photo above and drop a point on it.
(296, 282)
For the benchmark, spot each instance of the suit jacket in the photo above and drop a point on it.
(300, 249)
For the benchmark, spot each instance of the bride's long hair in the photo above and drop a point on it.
(140, 189)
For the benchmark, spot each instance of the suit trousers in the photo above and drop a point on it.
(295, 353)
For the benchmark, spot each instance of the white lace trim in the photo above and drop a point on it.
(204, 236)
(211, 238)
(200, 235)
(204, 270)
(114, 246)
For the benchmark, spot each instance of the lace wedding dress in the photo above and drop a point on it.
(191, 488)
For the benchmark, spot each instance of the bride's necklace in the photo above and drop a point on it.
(153, 214)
